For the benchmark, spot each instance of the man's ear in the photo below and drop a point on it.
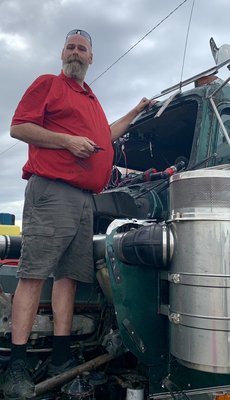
(91, 59)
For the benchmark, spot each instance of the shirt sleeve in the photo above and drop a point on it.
(33, 104)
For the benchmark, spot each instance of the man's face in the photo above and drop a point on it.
(76, 57)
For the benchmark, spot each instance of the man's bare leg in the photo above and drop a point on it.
(25, 306)
(63, 296)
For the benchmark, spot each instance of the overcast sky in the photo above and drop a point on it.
(32, 34)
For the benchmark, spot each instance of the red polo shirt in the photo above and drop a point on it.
(61, 105)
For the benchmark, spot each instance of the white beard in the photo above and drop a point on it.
(75, 69)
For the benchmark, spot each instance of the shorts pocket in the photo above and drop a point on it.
(38, 244)
(38, 257)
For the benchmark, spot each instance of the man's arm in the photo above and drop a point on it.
(36, 135)
(119, 127)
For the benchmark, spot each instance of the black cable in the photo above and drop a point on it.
(9, 148)
(140, 40)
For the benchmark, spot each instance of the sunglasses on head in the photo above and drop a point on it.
(80, 32)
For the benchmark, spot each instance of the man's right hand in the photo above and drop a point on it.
(80, 146)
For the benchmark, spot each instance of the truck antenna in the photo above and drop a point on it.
(186, 41)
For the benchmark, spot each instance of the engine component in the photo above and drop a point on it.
(55, 381)
(137, 201)
(98, 247)
(10, 247)
(149, 245)
(152, 175)
(79, 388)
(102, 275)
(43, 324)
(135, 394)
(200, 269)
(5, 310)
(113, 342)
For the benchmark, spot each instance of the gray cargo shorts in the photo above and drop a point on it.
(57, 232)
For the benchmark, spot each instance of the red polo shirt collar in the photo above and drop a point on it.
(75, 86)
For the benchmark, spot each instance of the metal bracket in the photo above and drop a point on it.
(114, 263)
(134, 336)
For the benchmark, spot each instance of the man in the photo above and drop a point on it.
(70, 156)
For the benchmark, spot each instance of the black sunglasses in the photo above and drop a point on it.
(80, 32)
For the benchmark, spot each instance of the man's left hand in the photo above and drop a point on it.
(144, 104)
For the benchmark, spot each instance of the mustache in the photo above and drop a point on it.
(71, 59)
